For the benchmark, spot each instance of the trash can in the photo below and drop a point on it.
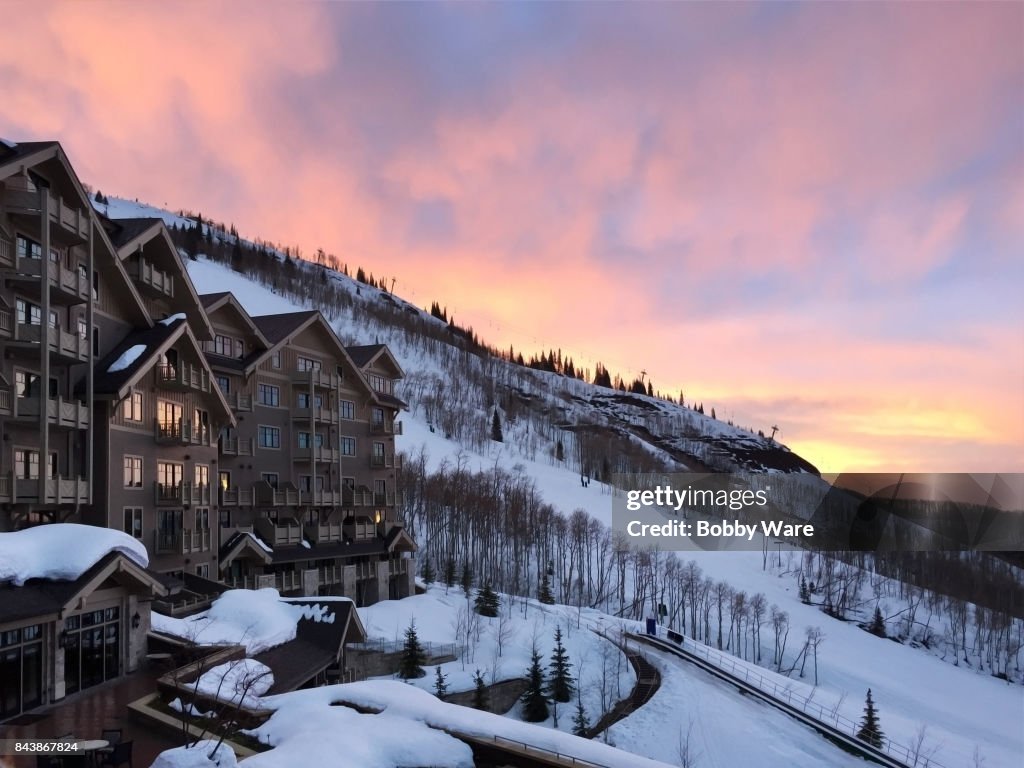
(652, 627)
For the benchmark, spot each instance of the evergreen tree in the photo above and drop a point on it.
(535, 704)
(467, 579)
(487, 602)
(559, 451)
(560, 685)
(805, 593)
(440, 683)
(496, 428)
(481, 696)
(870, 730)
(427, 573)
(413, 656)
(544, 591)
(449, 573)
(580, 726)
(877, 626)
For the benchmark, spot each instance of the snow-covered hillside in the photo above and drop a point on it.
(960, 709)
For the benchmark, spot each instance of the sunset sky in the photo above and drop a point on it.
(802, 214)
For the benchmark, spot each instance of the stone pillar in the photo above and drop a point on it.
(135, 650)
(348, 581)
(310, 582)
(383, 580)
(59, 685)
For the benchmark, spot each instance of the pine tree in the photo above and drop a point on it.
(805, 593)
(496, 435)
(427, 573)
(559, 451)
(487, 602)
(877, 626)
(413, 656)
(544, 591)
(560, 685)
(467, 579)
(481, 696)
(440, 683)
(449, 573)
(535, 704)
(870, 731)
(580, 726)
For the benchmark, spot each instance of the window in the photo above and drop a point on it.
(203, 519)
(270, 437)
(95, 286)
(83, 274)
(308, 364)
(222, 345)
(275, 360)
(304, 440)
(169, 475)
(26, 384)
(132, 408)
(168, 416)
(28, 313)
(318, 400)
(83, 329)
(348, 446)
(239, 349)
(268, 394)
(202, 476)
(132, 471)
(133, 521)
(381, 384)
(54, 319)
(306, 483)
(307, 440)
(348, 482)
(29, 249)
(270, 478)
(224, 517)
(225, 384)
(203, 570)
(347, 409)
(26, 464)
(378, 416)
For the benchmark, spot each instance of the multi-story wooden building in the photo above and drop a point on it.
(241, 451)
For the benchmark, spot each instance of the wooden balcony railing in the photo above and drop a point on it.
(149, 277)
(182, 377)
(71, 284)
(69, 346)
(71, 221)
(386, 427)
(279, 534)
(234, 446)
(71, 414)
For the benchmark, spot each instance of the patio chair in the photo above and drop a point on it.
(120, 755)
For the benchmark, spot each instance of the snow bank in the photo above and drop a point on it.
(197, 756)
(307, 716)
(62, 551)
(127, 357)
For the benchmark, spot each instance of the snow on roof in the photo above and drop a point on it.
(305, 729)
(62, 551)
(8, 143)
(127, 358)
(241, 681)
(173, 318)
(256, 618)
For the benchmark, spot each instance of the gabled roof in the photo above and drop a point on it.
(239, 543)
(213, 302)
(43, 597)
(278, 329)
(146, 230)
(156, 341)
(367, 354)
(12, 158)
(123, 231)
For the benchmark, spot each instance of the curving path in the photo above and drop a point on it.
(648, 680)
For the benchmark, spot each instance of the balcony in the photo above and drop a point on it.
(288, 581)
(386, 427)
(151, 280)
(245, 582)
(182, 378)
(182, 432)
(66, 347)
(366, 570)
(265, 496)
(320, 498)
(325, 532)
(280, 533)
(316, 413)
(6, 252)
(168, 494)
(69, 223)
(65, 414)
(357, 498)
(318, 378)
(331, 574)
(6, 399)
(56, 490)
(399, 567)
(6, 323)
(237, 446)
(239, 402)
(195, 493)
(320, 453)
(382, 460)
(360, 529)
(181, 541)
(236, 497)
(67, 286)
